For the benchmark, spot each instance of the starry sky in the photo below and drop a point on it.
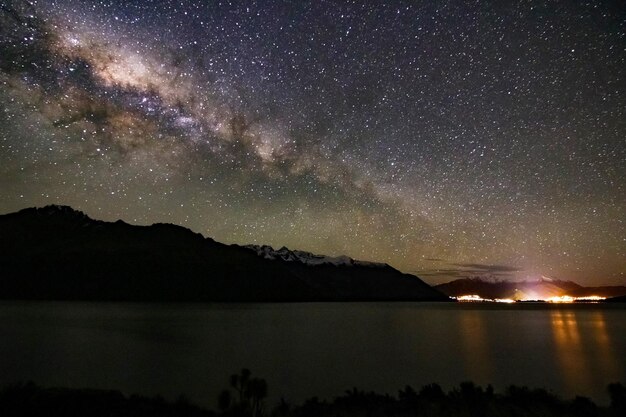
(446, 138)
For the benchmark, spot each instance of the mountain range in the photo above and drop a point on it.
(58, 253)
(540, 289)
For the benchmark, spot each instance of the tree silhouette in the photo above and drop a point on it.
(256, 393)
(240, 382)
(251, 393)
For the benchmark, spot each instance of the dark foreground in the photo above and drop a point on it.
(246, 399)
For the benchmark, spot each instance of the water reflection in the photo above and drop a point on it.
(583, 362)
(605, 355)
(475, 343)
(312, 348)
(569, 351)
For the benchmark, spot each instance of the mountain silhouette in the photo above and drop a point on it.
(620, 299)
(58, 253)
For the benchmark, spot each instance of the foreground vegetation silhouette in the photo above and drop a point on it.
(247, 399)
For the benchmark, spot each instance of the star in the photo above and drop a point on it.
(384, 132)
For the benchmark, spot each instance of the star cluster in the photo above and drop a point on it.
(447, 138)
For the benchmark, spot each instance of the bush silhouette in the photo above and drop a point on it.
(247, 400)
(617, 392)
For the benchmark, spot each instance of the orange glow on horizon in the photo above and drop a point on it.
(474, 298)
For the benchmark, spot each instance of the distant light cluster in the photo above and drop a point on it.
(448, 139)
(473, 298)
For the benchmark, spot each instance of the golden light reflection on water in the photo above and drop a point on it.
(569, 349)
(606, 359)
(475, 343)
(580, 368)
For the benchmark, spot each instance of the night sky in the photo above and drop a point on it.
(446, 138)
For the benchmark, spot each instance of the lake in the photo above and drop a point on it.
(312, 349)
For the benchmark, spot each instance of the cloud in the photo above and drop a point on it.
(437, 272)
(465, 270)
(487, 267)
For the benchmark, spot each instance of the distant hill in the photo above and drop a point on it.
(519, 290)
(620, 299)
(56, 252)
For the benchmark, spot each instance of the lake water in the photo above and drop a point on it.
(312, 349)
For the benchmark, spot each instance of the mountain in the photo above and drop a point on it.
(307, 258)
(541, 289)
(620, 299)
(56, 252)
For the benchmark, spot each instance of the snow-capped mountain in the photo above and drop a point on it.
(307, 258)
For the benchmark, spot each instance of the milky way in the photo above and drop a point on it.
(446, 138)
